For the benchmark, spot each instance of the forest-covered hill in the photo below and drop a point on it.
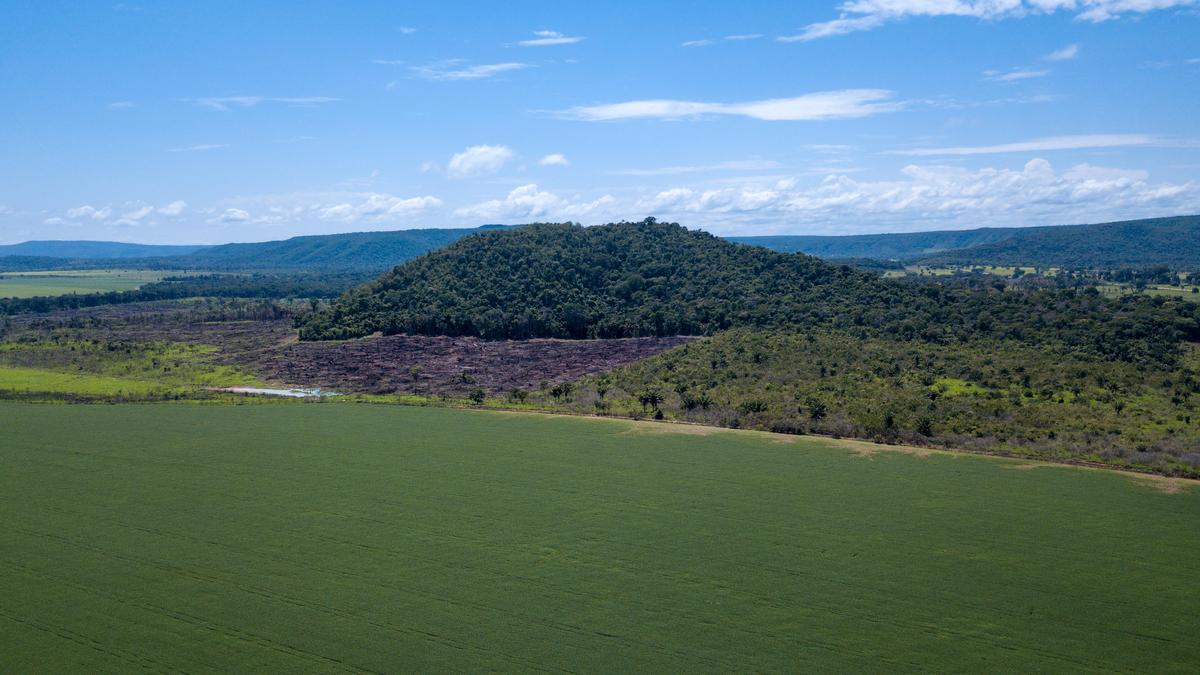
(650, 278)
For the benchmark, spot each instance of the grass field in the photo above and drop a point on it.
(43, 284)
(332, 537)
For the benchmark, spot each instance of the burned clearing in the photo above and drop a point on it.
(258, 338)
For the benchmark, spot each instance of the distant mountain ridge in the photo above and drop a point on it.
(898, 246)
(1173, 241)
(355, 250)
(94, 249)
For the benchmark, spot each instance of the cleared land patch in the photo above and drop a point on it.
(305, 537)
(44, 284)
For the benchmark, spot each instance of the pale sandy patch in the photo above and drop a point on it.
(867, 448)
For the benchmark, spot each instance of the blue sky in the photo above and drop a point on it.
(204, 122)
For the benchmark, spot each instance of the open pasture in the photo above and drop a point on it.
(332, 537)
(51, 283)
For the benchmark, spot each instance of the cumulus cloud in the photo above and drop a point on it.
(1076, 142)
(304, 208)
(934, 196)
(478, 159)
(824, 105)
(455, 70)
(89, 211)
(377, 206)
(232, 215)
(175, 208)
(224, 103)
(556, 159)
(1065, 54)
(528, 202)
(549, 38)
(863, 15)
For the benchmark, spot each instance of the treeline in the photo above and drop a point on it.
(655, 279)
(264, 286)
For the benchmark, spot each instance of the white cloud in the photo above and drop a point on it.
(842, 26)
(736, 165)
(1014, 75)
(89, 211)
(825, 105)
(223, 103)
(232, 215)
(454, 70)
(135, 215)
(377, 206)
(550, 38)
(1077, 142)
(175, 208)
(388, 62)
(1065, 54)
(931, 196)
(728, 38)
(302, 209)
(199, 148)
(527, 203)
(556, 159)
(863, 15)
(407, 30)
(478, 159)
(54, 221)
(120, 105)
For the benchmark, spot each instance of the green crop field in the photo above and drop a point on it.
(43, 284)
(329, 537)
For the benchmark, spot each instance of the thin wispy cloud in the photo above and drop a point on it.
(1067, 53)
(120, 105)
(199, 148)
(736, 165)
(224, 103)
(1076, 142)
(550, 38)
(728, 38)
(388, 62)
(825, 105)
(1014, 75)
(863, 15)
(454, 70)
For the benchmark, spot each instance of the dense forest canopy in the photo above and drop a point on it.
(650, 278)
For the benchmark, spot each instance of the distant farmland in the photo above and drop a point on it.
(45, 284)
(306, 537)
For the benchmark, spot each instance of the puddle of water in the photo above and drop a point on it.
(290, 393)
